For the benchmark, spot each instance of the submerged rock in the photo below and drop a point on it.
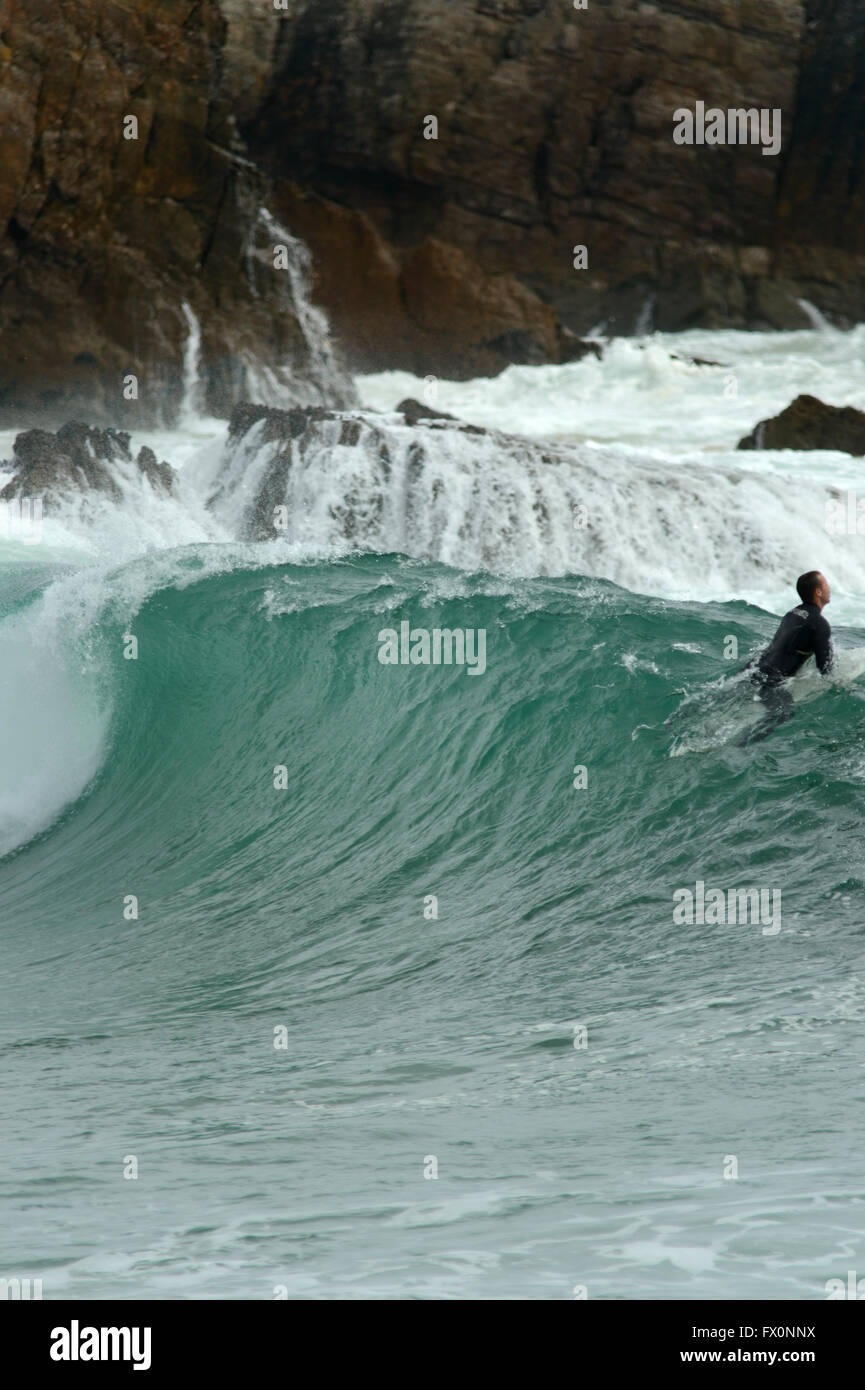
(263, 486)
(696, 361)
(79, 458)
(412, 411)
(809, 423)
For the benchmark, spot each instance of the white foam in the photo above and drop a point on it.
(675, 511)
(52, 729)
(644, 393)
(498, 503)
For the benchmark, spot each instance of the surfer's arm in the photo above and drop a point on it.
(823, 654)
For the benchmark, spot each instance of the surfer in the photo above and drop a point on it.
(803, 632)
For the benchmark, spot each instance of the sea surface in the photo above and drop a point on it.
(413, 1018)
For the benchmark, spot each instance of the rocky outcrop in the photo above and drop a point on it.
(554, 129)
(482, 500)
(810, 424)
(443, 162)
(79, 458)
(126, 194)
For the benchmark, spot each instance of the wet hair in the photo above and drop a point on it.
(807, 583)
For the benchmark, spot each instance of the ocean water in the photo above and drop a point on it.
(577, 1068)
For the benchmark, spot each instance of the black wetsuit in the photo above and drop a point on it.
(803, 632)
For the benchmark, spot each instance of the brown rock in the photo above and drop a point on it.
(554, 130)
(449, 256)
(430, 308)
(810, 424)
(776, 305)
(821, 196)
(107, 237)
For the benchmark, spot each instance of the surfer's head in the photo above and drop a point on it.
(813, 587)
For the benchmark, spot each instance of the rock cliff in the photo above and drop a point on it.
(139, 145)
(131, 213)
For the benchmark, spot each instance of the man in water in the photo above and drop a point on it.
(803, 632)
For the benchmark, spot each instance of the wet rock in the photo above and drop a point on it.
(431, 308)
(414, 411)
(450, 255)
(125, 193)
(278, 443)
(696, 361)
(554, 128)
(809, 423)
(278, 424)
(79, 458)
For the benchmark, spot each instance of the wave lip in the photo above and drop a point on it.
(53, 730)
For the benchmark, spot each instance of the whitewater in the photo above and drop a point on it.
(609, 538)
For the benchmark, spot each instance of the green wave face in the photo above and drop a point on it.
(401, 776)
(417, 1028)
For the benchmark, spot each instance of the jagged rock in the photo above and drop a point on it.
(78, 458)
(159, 475)
(574, 349)
(810, 424)
(280, 424)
